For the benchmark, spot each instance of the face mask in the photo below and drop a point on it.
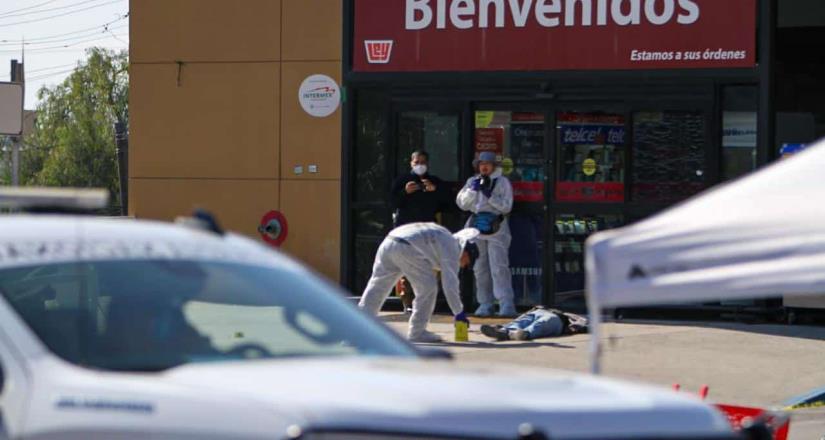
(419, 169)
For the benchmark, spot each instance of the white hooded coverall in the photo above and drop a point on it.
(492, 269)
(416, 251)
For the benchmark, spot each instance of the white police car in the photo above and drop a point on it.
(125, 329)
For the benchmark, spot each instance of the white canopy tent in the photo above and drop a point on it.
(759, 236)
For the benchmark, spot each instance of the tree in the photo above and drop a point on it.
(73, 142)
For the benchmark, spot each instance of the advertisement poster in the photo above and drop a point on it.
(739, 129)
(591, 171)
(487, 35)
(572, 134)
(526, 250)
(489, 139)
(527, 153)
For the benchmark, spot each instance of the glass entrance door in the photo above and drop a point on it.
(591, 163)
(519, 140)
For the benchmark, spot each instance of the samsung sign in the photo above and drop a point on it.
(518, 35)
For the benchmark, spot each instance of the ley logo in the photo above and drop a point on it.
(378, 51)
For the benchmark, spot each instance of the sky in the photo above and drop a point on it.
(55, 35)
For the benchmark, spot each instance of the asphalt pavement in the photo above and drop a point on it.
(743, 364)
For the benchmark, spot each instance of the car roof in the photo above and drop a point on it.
(38, 239)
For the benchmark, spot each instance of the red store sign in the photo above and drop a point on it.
(519, 35)
(490, 139)
(589, 192)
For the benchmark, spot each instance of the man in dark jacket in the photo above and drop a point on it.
(416, 197)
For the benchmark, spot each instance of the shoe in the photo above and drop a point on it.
(496, 332)
(520, 335)
(484, 310)
(426, 337)
(507, 310)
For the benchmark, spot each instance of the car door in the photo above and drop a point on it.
(14, 386)
(17, 344)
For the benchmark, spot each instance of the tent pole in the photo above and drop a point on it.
(595, 339)
(594, 313)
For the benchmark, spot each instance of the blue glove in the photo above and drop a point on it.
(475, 184)
(462, 317)
(487, 191)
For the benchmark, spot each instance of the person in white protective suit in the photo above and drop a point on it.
(416, 251)
(489, 196)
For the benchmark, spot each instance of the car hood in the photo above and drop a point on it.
(439, 397)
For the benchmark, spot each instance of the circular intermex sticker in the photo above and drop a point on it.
(273, 228)
(319, 95)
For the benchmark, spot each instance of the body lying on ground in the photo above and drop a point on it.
(538, 322)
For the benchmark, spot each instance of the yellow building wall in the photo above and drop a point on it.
(215, 120)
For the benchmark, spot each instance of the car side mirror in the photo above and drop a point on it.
(435, 353)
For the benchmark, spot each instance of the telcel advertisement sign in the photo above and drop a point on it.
(519, 35)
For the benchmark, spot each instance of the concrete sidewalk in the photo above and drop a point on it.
(760, 365)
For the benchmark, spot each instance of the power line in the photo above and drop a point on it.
(78, 49)
(27, 7)
(116, 37)
(23, 14)
(59, 15)
(49, 75)
(64, 46)
(27, 40)
(63, 40)
(42, 69)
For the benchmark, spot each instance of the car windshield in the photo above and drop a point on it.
(155, 315)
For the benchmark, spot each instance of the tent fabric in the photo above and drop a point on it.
(759, 236)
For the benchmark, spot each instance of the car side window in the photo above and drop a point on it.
(50, 298)
(228, 326)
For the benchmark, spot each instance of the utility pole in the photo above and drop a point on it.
(17, 75)
(122, 143)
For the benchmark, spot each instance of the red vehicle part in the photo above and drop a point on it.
(738, 415)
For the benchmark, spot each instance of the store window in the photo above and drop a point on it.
(438, 134)
(591, 165)
(739, 128)
(800, 61)
(371, 181)
(668, 155)
(518, 138)
(571, 233)
(370, 214)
